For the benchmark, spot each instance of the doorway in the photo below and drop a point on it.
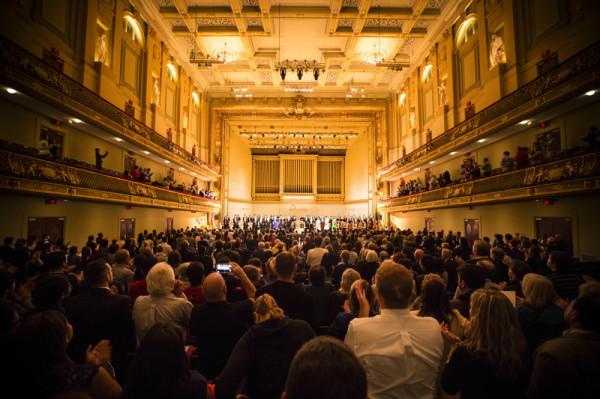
(127, 228)
(555, 227)
(38, 228)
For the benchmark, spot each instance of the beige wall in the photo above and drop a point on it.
(357, 169)
(517, 217)
(84, 218)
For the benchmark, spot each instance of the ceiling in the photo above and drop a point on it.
(338, 34)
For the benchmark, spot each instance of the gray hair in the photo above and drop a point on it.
(160, 279)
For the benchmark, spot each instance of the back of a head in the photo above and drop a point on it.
(195, 273)
(316, 275)
(348, 278)
(371, 257)
(538, 290)
(214, 287)
(96, 273)
(325, 368)
(519, 268)
(49, 290)
(54, 260)
(588, 311)
(42, 339)
(285, 264)
(160, 279)
(494, 332)
(481, 248)
(122, 257)
(473, 276)
(253, 273)
(562, 259)
(435, 301)
(394, 285)
(266, 308)
(160, 367)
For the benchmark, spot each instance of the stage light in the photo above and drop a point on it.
(481, 140)
(587, 93)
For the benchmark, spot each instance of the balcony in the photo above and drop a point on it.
(31, 76)
(568, 176)
(559, 85)
(30, 174)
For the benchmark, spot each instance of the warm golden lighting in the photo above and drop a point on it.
(427, 72)
(172, 71)
(133, 26)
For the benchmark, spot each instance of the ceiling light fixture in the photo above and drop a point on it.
(10, 90)
(431, 162)
(289, 89)
(417, 169)
(167, 161)
(118, 139)
(224, 55)
(525, 122)
(241, 92)
(75, 120)
(453, 153)
(587, 93)
(481, 140)
(146, 152)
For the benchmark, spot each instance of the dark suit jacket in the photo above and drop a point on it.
(295, 303)
(567, 367)
(97, 314)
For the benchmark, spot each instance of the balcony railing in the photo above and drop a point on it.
(33, 174)
(39, 80)
(565, 81)
(567, 176)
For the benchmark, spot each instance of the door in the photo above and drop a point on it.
(38, 228)
(472, 230)
(560, 227)
(169, 226)
(127, 228)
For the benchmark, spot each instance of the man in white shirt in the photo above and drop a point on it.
(401, 353)
(314, 256)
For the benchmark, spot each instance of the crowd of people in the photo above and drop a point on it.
(374, 313)
(256, 223)
(544, 148)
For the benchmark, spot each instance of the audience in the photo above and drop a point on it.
(247, 348)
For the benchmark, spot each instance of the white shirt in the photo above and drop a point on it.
(151, 309)
(400, 353)
(315, 256)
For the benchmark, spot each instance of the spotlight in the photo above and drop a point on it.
(316, 73)
(10, 90)
(282, 73)
(299, 72)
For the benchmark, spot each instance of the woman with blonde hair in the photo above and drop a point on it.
(337, 298)
(491, 362)
(264, 353)
(539, 317)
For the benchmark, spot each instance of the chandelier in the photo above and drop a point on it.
(224, 54)
(376, 56)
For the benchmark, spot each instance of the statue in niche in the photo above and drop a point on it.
(442, 93)
(497, 51)
(156, 92)
(412, 119)
(102, 49)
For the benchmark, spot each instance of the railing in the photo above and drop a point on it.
(562, 177)
(73, 181)
(16, 61)
(585, 62)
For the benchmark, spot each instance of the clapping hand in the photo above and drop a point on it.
(365, 306)
(100, 354)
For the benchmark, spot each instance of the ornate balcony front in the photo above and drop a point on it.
(566, 81)
(568, 176)
(30, 75)
(30, 174)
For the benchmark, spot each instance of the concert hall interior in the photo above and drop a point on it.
(344, 120)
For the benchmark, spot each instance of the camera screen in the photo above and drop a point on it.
(223, 267)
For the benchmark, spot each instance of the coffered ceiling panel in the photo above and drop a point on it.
(365, 41)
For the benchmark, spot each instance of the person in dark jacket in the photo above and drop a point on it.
(97, 314)
(264, 353)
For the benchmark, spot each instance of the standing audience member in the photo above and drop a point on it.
(401, 353)
(319, 291)
(491, 363)
(566, 283)
(569, 366)
(539, 317)
(98, 314)
(264, 353)
(340, 324)
(165, 301)
(470, 278)
(161, 368)
(195, 275)
(217, 325)
(122, 273)
(44, 368)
